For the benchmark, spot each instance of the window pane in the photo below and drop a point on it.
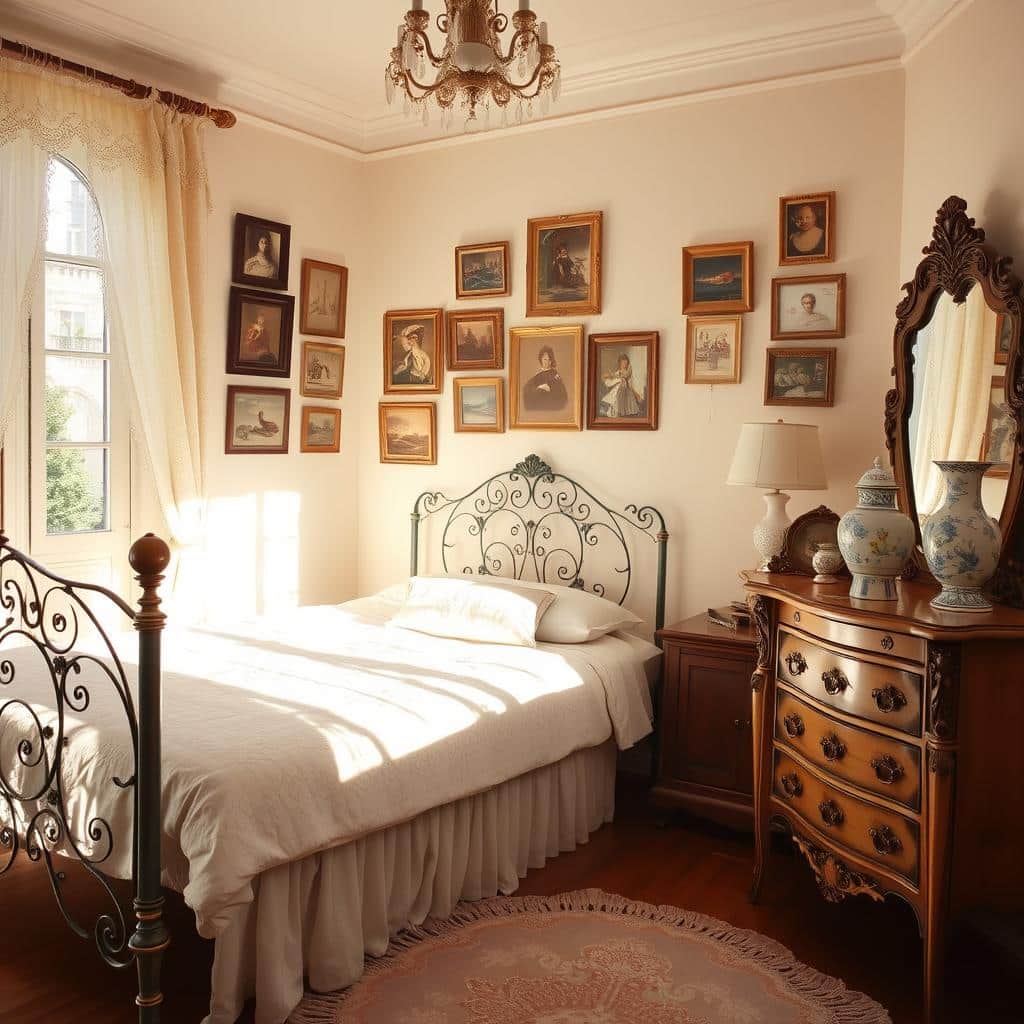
(76, 399)
(76, 490)
(74, 308)
(72, 226)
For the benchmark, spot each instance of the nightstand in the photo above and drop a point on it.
(705, 761)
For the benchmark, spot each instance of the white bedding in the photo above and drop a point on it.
(287, 736)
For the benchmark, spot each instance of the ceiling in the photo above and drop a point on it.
(317, 66)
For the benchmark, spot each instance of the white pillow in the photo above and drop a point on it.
(469, 609)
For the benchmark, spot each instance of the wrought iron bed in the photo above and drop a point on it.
(535, 523)
(45, 612)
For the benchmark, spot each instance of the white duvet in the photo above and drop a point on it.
(287, 736)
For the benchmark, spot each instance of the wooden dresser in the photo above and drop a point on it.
(889, 740)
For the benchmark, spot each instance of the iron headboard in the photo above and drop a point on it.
(533, 520)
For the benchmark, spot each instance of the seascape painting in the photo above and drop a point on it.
(479, 405)
(718, 278)
(408, 432)
(481, 270)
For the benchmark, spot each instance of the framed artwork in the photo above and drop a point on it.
(257, 421)
(799, 376)
(546, 377)
(1000, 431)
(803, 538)
(481, 271)
(408, 432)
(718, 278)
(476, 339)
(808, 307)
(413, 351)
(260, 252)
(1004, 328)
(563, 265)
(714, 349)
(323, 298)
(479, 405)
(807, 228)
(260, 333)
(323, 370)
(622, 381)
(321, 429)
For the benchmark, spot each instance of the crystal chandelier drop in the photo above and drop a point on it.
(472, 68)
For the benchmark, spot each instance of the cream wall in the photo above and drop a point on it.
(705, 172)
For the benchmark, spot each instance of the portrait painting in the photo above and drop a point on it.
(257, 420)
(563, 265)
(1004, 331)
(718, 278)
(323, 370)
(476, 339)
(260, 333)
(408, 432)
(809, 307)
(479, 405)
(622, 381)
(800, 376)
(321, 429)
(481, 271)
(260, 252)
(323, 297)
(807, 228)
(713, 349)
(545, 377)
(1000, 431)
(413, 351)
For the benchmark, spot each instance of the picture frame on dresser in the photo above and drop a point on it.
(803, 535)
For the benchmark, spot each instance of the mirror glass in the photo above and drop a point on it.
(959, 410)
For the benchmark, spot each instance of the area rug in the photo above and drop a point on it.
(587, 957)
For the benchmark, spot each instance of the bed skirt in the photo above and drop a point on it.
(317, 918)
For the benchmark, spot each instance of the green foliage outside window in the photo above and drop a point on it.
(72, 504)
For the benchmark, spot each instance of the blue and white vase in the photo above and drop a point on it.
(961, 541)
(875, 538)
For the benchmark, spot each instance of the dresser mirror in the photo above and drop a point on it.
(957, 354)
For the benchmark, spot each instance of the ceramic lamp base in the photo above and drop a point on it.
(873, 588)
(961, 599)
(770, 533)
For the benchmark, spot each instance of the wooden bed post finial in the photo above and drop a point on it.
(149, 557)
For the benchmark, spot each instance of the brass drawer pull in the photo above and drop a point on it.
(888, 643)
(833, 747)
(831, 813)
(889, 698)
(796, 663)
(792, 786)
(834, 681)
(887, 769)
(885, 841)
(794, 724)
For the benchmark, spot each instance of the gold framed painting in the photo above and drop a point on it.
(479, 405)
(408, 432)
(476, 339)
(546, 377)
(807, 228)
(413, 351)
(800, 376)
(321, 429)
(718, 278)
(563, 265)
(1000, 432)
(808, 307)
(622, 381)
(323, 370)
(481, 271)
(323, 298)
(714, 349)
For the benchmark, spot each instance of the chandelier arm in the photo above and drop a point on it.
(426, 90)
(431, 56)
(538, 72)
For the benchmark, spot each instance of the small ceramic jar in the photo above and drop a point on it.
(827, 561)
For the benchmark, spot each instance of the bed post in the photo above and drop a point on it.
(659, 612)
(414, 540)
(149, 557)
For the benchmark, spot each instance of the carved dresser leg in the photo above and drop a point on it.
(762, 687)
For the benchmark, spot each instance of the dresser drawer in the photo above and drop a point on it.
(860, 638)
(890, 696)
(863, 758)
(881, 836)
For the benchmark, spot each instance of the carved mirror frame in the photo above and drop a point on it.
(956, 260)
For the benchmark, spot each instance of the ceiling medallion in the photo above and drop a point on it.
(473, 69)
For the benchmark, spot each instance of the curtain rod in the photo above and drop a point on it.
(131, 88)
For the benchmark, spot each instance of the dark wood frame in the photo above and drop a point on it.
(744, 304)
(788, 561)
(318, 448)
(320, 346)
(498, 383)
(485, 293)
(692, 324)
(839, 331)
(999, 357)
(339, 327)
(437, 315)
(515, 337)
(385, 457)
(829, 199)
(230, 448)
(1000, 470)
(595, 341)
(238, 275)
(456, 316)
(283, 366)
(957, 259)
(830, 387)
(592, 304)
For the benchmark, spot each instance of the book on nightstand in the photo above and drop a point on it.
(735, 615)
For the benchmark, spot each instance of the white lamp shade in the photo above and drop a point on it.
(786, 456)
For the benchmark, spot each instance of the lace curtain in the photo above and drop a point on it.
(147, 167)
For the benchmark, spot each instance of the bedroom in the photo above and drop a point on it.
(691, 128)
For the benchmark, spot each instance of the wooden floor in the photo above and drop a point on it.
(47, 975)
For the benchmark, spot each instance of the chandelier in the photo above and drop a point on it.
(472, 68)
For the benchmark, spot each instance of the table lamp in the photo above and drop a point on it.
(776, 456)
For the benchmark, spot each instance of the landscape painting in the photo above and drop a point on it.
(408, 432)
(321, 429)
(479, 405)
(476, 340)
(481, 271)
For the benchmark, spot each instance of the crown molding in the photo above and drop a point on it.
(922, 20)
